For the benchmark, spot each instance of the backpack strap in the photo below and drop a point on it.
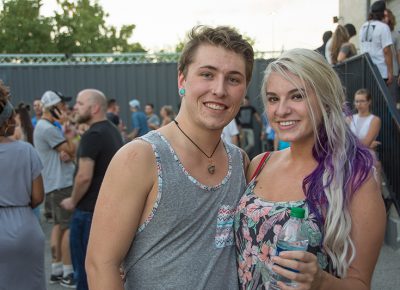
(260, 165)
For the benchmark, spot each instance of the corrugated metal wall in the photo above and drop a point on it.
(150, 83)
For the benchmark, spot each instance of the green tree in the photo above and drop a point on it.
(81, 27)
(22, 29)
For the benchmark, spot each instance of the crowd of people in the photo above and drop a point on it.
(377, 37)
(176, 202)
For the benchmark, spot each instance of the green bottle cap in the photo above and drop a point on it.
(297, 212)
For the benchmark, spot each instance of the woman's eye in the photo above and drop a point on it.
(272, 99)
(297, 97)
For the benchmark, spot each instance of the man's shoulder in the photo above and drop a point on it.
(140, 151)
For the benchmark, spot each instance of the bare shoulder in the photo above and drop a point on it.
(376, 120)
(133, 167)
(254, 164)
(133, 154)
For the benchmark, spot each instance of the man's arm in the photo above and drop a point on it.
(235, 140)
(68, 147)
(126, 198)
(398, 61)
(82, 182)
(387, 52)
(258, 118)
(132, 135)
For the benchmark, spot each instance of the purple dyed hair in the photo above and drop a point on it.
(356, 169)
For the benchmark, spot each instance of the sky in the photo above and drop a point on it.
(273, 24)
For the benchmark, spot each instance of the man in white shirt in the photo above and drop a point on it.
(230, 133)
(376, 39)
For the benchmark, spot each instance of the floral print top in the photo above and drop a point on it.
(257, 224)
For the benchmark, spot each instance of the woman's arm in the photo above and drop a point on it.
(368, 227)
(118, 213)
(373, 132)
(37, 195)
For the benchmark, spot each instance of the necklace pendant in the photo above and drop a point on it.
(211, 169)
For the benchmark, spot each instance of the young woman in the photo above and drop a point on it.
(326, 171)
(341, 47)
(23, 129)
(22, 240)
(167, 115)
(365, 125)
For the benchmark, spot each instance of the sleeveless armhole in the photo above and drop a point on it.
(260, 165)
(142, 226)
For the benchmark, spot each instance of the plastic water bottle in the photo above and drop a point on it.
(290, 238)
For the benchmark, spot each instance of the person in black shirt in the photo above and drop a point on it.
(244, 119)
(96, 149)
(112, 112)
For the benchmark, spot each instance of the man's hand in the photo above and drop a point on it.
(68, 204)
(64, 156)
(389, 79)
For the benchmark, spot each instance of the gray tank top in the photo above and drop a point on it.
(188, 240)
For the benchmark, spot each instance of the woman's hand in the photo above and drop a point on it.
(309, 275)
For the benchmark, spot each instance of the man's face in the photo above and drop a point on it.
(37, 107)
(215, 85)
(148, 110)
(83, 108)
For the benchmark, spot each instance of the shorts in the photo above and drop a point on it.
(61, 216)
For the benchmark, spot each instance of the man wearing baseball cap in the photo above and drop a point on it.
(58, 179)
(139, 121)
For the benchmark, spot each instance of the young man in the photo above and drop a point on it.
(96, 148)
(376, 39)
(139, 120)
(37, 110)
(167, 202)
(153, 121)
(56, 153)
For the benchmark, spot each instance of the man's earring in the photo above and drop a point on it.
(182, 92)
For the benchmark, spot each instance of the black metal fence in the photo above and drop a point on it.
(359, 72)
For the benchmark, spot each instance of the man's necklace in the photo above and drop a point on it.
(211, 166)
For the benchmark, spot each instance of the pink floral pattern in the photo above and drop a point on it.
(257, 225)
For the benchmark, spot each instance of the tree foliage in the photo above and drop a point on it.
(22, 29)
(79, 27)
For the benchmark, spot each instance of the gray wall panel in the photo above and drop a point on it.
(155, 83)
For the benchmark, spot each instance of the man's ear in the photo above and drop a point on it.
(181, 80)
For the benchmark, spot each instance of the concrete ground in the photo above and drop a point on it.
(386, 275)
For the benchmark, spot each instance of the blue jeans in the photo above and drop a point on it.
(79, 238)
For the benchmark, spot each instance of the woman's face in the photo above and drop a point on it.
(288, 109)
(163, 114)
(361, 103)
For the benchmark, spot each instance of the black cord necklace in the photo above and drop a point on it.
(211, 166)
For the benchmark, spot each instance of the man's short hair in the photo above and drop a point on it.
(151, 105)
(222, 36)
(111, 102)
